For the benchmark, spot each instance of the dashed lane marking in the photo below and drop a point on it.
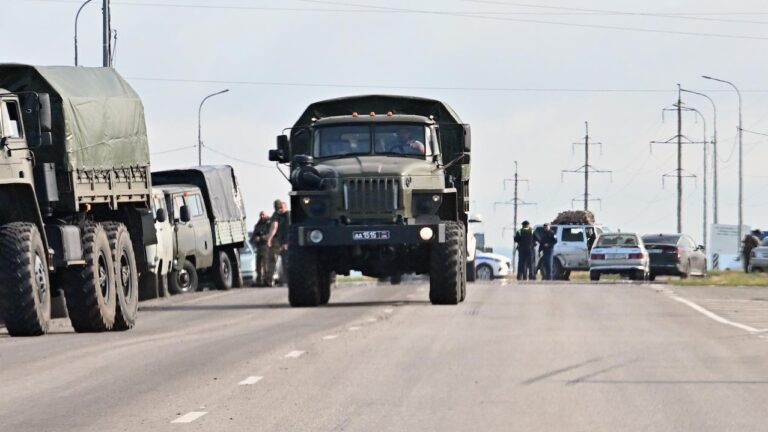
(371, 320)
(329, 337)
(251, 380)
(295, 354)
(388, 310)
(353, 328)
(190, 417)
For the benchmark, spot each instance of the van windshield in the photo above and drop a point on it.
(391, 139)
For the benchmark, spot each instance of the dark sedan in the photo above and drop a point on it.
(675, 255)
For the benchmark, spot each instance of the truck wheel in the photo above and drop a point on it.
(126, 276)
(237, 273)
(471, 273)
(90, 291)
(327, 281)
(184, 279)
(463, 267)
(303, 277)
(447, 261)
(25, 289)
(222, 271)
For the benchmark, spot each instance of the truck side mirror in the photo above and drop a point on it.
(161, 215)
(283, 150)
(46, 123)
(467, 139)
(184, 214)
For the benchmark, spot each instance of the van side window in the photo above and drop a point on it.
(573, 235)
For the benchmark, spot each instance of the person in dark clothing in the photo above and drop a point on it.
(277, 239)
(547, 240)
(591, 237)
(259, 242)
(751, 241)
(526, 244)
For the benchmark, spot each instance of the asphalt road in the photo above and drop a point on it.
(531, 357)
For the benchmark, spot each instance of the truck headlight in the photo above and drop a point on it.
(426, 203)
(426, 233)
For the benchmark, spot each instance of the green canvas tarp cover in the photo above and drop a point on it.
(97, 118)
(380, 104)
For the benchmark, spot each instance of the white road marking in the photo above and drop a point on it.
(712, 315)
(190, 417)
(353, 328)
(371, 320)
(329, 337)
(251, 380)
(388, 310)
(295, 354)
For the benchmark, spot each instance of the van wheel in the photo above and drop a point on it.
(90, 291)
(25, 288)
(557, 270)
(184, 279)
(446, 267)
(126, 275)
(222, 276)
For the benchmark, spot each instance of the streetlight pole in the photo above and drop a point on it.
(741, 160)
(199, 126)
(77, 17)
(714, 155)
(704, 121)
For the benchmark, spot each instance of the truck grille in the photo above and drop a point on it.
(371, 195)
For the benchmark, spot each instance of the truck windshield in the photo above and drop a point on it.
(403, 139)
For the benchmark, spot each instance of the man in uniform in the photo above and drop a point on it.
(277, 239)
(259, 241)
(547, 240)
(525, 247)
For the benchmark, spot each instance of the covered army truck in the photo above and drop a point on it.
(207, 212)
(380, 184)
(75, 193)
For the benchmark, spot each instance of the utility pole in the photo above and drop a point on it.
(515, 202)
(679, 139)
(586, 169)
(106, 35)
(714, 154)
(706, 161)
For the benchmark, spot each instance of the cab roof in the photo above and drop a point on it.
(377, 119)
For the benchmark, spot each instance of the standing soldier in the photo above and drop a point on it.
(259, 241)
(525, 247)
(750, 242)
(547, 240)
(277, 239)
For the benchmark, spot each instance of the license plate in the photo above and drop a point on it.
(370, 235)
(654, 251)
(616, 256)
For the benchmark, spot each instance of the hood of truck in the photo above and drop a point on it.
(374, 166)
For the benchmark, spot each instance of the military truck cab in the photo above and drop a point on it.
(379, 185)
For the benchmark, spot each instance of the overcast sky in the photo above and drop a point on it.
(525, 83)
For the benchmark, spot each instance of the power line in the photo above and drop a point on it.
(414, 87)
(472, 15)
(235, 158)
(173, 150)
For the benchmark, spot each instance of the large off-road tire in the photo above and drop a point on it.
(90, 291)
(237, 272)
(446, 266)
(184, 279)
(303, 276)
(222, 271)
(327, 281)
(25, 288)
(471, 273)
(126, 276)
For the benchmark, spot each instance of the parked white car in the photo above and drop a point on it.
(571, 252)
(489, 266)
(622, 253)
(248, 263)
(159, 256)
(474, 219)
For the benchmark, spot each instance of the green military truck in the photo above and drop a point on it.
(75, 190)
(380, 184)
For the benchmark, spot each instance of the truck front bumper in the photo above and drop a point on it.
(364, 235)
